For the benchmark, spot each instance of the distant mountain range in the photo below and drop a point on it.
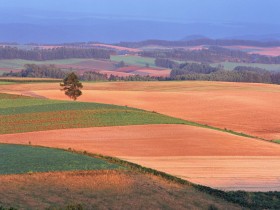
(55, 27)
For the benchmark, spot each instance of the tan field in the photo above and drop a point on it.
(249, 108)
(204, 156)
(101, 190)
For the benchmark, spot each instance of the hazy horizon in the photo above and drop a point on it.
(126, 20)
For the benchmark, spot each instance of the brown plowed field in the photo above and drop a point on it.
(249, 108)
(204, 156)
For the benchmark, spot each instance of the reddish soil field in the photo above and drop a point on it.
(49, 47)
(7, 69)
(90, 65)
(248, 108)
(204, 156)
(170, 140)
(153, 72)
(268, 51)
(228, 173)
(275, 51)
(106, 67)
(117, 48)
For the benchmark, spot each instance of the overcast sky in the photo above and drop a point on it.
(266, 11)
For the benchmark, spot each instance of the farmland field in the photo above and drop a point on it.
(101, 189)
(16, 159)
(134, 60)
(181, 149)
(29, 114)
(203, 156)
(5, 83)
(19, 64)
(237, 106)
(232, 65)
(135, 65)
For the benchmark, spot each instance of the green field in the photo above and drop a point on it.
(5, 83)
(134, 60)
(24, 114)
(232, 65)
(19, 63)
(16, 159)
(277, 141)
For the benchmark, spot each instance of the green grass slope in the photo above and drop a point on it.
(16, 159)
(19, 63)
(134, 60)
(26, 114)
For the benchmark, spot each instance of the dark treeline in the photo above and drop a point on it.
(193, 68)
(38, 71)
(53, 54)
(93, 76)
(185, 71)
(51, 71)
(211, 55)
(197, 42)
(239, 74)
(165, 63)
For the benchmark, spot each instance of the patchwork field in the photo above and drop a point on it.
(181, 149)
(29, 114)
(204, 156)
(234, 106)
(135, 65)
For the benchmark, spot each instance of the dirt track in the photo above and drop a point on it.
(200, 155)
(249, 108)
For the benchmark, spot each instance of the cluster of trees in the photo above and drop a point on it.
(198, 42)
(38, 71)
(185, 71)
(93, 76)
(211, 55)
(51, 71)
(165, 63)
(192, 68)
(53, 54)
(239, 74)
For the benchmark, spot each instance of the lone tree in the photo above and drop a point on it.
(71, 86)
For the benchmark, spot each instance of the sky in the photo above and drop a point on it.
(252, 11)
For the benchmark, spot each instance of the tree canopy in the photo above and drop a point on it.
(72, 86)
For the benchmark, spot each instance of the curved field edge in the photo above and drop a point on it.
(20, 159)
(28, 114)
(24, 114)
(251, 200)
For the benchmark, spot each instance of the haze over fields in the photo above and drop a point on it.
(124, 20)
